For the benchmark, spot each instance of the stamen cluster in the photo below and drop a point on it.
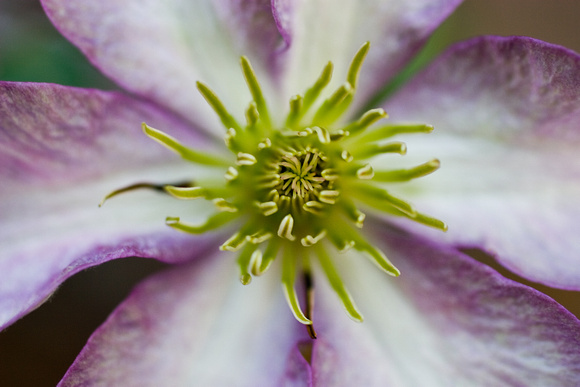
(296, 187)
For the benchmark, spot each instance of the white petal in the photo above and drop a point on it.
(506, 113)
(195, 325)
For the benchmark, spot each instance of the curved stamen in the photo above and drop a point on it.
(255, 90)
(213, 222)
(312, 94)
(212, 99)
(244, 263)
(399, 175)
(288, 279)
(185, 152)
(337, 285)
(356, 64)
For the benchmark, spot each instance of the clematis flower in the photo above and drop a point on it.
(506, 112)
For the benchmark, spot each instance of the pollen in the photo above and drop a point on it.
(299, 187)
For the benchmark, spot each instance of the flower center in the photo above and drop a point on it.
(295, 188)
(300, 175)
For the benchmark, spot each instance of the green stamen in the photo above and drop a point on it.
(294, 185)
(328, 113)
(223, 205)
(408, 174)
(311, 95)
(212, 99)
(362, 152)
(255, 90)
(356, 64)
(353, 213)
(371, 195)
(235, 242)
(288, 279)
(270, 254)
(252, 115)
(387, 131)
(185, 152)
(352, 79)
(367, 119)
(430, 221)
(186, 192)
(213, 222)
(375, 254)
(295, 114)
(255, 263)
(244, 263)
(337, 285)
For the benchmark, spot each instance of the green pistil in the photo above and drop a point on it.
(296, 189)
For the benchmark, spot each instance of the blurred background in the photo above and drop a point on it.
(37, 350)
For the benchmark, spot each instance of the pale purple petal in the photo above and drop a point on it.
(317, 31)
(507, 119)
(196, 325)
(446, 321)
(252, 27)
(62, 149)
(160, 49)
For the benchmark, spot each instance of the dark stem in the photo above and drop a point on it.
(152, 186)
(309, 289)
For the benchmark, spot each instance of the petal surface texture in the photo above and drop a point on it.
(61, 150)
(317, 31)
(506, 113)
(160, 49)
(196, 325)
(446, 321)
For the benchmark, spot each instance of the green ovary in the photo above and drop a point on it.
(294, 190)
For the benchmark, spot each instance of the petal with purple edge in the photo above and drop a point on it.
(506, 113)
(196, 325)
(62, 149)
(318, 31)
(160, 49)
(446, 321)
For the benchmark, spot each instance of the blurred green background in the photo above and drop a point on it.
(37, 350)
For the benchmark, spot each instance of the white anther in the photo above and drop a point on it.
(330, 174)
(305, 132)
(323, 135)
(360, 219)
(229, 137)
(346, 246)
(273, 195)
(338, 135)
(328, 196)
(310, 240)
(255, 263)
(234, 243)
(314, 207)
(366, 172)
(285, 229)
(246, 159)
(259, 237)
(346, 156)
(223, 205)
(267, 208)
(265, 143)
(231, 174)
